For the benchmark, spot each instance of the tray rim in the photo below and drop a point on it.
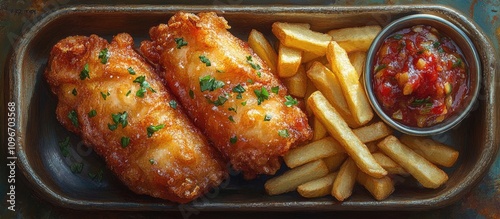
(444, 199)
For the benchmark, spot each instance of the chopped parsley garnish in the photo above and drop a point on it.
(119, 118)
(283, 133)
(152, 129)
(151, 161)
(104, 55)
(398, 36)
(173, 104)
(92, 113)
(233, 109)
(262, 95)
(105, 95)
(64, 145)
(267, 117)
(205, 60)
(128, 93)
(233, 139)
(254, 66)
(74, 92)
(85, 72)
(73, 116)
(76, 167)
(437, 45)
(191, 94)
(141, 80)
(250, 81)
(131, 70)
(231, 118)
(244, 103)
(180, 42)
(422, 102)
(220, 71)
(96, 176)
(290, 101)
(275, 89)
(457, 64)
(238, 89)
(210, 83)
(220, 100)
(125, 141)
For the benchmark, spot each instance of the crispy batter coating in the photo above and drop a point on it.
(174, 162)
(227, 91)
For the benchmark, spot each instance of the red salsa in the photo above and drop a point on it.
(420, 76)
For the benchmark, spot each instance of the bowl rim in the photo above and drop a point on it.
(439, 127)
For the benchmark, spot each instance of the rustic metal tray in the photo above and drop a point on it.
(49, 172)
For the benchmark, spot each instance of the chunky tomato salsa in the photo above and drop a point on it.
(420, 76)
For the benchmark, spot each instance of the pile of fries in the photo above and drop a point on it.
(349, 144)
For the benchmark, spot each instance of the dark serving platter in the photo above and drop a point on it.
(50, 174)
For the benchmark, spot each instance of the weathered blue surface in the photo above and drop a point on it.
(482, 202)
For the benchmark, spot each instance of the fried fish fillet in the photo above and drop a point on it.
(111, 97)
(228, 91)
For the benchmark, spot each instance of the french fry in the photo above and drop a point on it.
(288, 61)
(291, 179)
(297, 84)
(431, 150)
(344, 182)
(372, 132)
(333, 162)
(388, 164)
(310, 89)
(309, 56)
(329, 85)
(263, 49)
(312, 151)
(318, 187)
(319, 130)
(348, 80)
(358, 61)
(424, 171)
(338, 129)
(355, 38)
(379, 188)
(298, 37)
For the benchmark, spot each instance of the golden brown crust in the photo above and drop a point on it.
(175, 163)
(259, 146)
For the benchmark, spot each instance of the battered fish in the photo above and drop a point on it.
(228, 91)
(111, 97)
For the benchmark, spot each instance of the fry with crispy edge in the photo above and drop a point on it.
(318, 187)
(339, 130)
(291, 179)
(431, 150)
(349, 82)
(379, 188)
(297, 84)
(300, 37)
(358, 61)
(344, 182)
(424, 171)
(288, 61)
(263, 48)
(372, 132)
(388, 164)
(313, 151)
(355, 38)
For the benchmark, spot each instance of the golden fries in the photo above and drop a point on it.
(355, 38)
(424, 171)
(358, 61)
(263, 49)
(372, 132)
(297, 84)
(291, 179)
(319, 130)
(379, 188)
(333, 162)
(339, 130)
(431, 150)
(328, 84)
(388, 164)
(348, 80)
(288, 61)
(302, 38)
(344, 182)
(313, 151)
(318, 187)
